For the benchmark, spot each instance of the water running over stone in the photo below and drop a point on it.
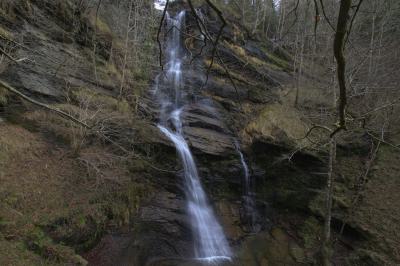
(210, 242)
(249, 213)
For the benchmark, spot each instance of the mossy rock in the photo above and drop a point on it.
(42, 244)
(279, 124)
(11, 10)
(80, 231)
(310, 232)
(363, 257)
(3, 98)
(297, 253)
(273, 249)
(138, 166)
(6, 34)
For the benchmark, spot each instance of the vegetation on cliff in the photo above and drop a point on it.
(307, 88)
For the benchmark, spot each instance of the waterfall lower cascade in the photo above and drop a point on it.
(211, 244)
(249, 214)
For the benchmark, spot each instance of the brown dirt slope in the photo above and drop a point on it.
(49, 202)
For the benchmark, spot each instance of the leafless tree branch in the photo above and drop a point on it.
(159, 33)
(219, 34)
(42, 105)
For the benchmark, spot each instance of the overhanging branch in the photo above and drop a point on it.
(13, 90)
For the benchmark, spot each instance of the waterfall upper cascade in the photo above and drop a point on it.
(160, 4)
(210, 241)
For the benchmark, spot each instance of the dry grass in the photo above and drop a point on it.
(277, 122)
(34, 188)
(101, 27)
(99, 111)
(234, 74)
(10, 8)
(274, 64)
(49, 194)
(6, 34)
(378, 212)
(3, 96)
(44, 181)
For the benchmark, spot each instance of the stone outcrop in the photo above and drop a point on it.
(241, 103)
(206, 131)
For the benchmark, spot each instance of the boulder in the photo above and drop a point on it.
(278, 124)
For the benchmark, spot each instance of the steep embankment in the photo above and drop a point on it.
(64, 186)
(113, 193)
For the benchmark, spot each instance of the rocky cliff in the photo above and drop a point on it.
(113, 194)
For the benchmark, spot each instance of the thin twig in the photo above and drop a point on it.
(215, 45)
(325, 16)
(352, 20)
(158, 35)
(8, 55)
(315, 127)
(294, 21)
(75, 120)
(317, 17)
(380, 139)
(230, 78)
(45, 106)
(202, 28)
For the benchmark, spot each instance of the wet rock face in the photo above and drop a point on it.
(271, 248)
(160, 233)
(163, 229)
(205, 130)
(211, 125)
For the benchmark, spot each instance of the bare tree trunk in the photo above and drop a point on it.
(61, 113)
(264, 17)
(383, 24)
(296, 53)
(281, 21)
(126, 50)
(95, 41)
(326, 250)
(300, 70)
(334, 96)
(338, 48)
(372, 41)
(302, 46)
(256, 22)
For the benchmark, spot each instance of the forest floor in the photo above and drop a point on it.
(49, 201)
(378, 212)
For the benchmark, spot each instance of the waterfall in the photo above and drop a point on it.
(211, 244)
(160, 4)
(249, 214)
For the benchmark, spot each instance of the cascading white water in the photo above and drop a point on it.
(249, 214)
(210, 242)
(160, 4)
(245, 170)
